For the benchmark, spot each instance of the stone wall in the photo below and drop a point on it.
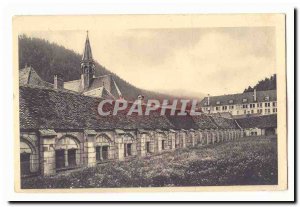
(79, 149)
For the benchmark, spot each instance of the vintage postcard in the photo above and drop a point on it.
(122, 103)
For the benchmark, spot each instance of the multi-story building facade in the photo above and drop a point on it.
(250, 103)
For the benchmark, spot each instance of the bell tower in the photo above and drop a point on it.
(87, 64)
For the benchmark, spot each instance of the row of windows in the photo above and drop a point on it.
(245, 106)
(267, 98)
(260, 111)
(252, 111)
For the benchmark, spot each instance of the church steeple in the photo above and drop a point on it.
(87, 64)
(87, 53)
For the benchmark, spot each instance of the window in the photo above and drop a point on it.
(231, 107)
(244, 100)
(217, 108)
(245, 106)
(267, 98)
(259, 105)
(274, 110)
(252, 105)
(274, 104)
(59, 158)
(267, 104)
(163, 144)
(252, 111)
(230, 101)
(148, 147)
(224, 108)
(245, 111)
(127, 150)
(267, 111)
(72, 157)
(218, 103)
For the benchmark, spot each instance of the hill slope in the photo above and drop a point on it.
(264, 85)
(48, 59)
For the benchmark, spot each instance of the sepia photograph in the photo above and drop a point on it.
(150, 102)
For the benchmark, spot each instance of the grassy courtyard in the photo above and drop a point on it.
(249, 161)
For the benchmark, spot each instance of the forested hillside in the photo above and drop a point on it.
(48, 59)
(263, 85)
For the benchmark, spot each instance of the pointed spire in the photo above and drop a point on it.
(87, 53)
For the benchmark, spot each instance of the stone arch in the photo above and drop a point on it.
(128, 138)
(130, 144)
(67, 152)
(103, 138)
(24, 142)
(145, 143)
(104, 147)
(29, 159)
(67, 142)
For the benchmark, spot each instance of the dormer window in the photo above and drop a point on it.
(244, 100)
(205, 103)
(230, 101)
(267, 98)
(218, 102)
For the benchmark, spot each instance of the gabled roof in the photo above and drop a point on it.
(105, 81)
(181, 122)
(266, 121)
(28, 76)
(204, 121)
(224, 123)
(238, 98)
(100, 92)
(74, 85)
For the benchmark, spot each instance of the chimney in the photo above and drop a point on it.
(58, 81)
(254, 95)
(141, 99)
(208, 100)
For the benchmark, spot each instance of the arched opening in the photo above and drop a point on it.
(25, 158)
(162, 142)
(129, 145)
(67, 153)
(103, 148)
(177, 140)
(149, 143)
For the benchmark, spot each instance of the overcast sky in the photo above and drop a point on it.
(199, 60)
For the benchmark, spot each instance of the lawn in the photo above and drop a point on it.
(249, 161)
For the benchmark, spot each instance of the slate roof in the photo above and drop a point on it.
(238, 98)
(224, 123)
(52, 109)
(204, 121)
(74, 85)
(45, 108)
(266, 121)
(28, 76)
(182, 122)
(106, 81)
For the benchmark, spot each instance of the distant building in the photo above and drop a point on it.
(242, 104)
(259, 126)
